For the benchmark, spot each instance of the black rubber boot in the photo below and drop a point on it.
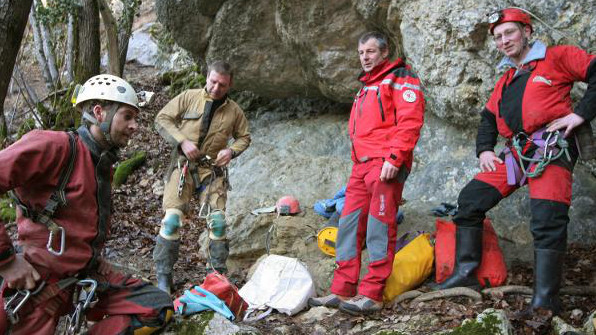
(218, 254)
(468, 254)
(165, 256)
(548, 272)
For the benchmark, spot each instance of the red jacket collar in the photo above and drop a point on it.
(380, 71)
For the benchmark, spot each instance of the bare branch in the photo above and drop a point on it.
(406, 296)
(499, 292)
(22, 83)
(28, 94)
(579, 290)
(450, 292)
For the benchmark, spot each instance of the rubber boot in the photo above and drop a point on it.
(468, 254)
(165, 256)
(548, 272)
(218, 254)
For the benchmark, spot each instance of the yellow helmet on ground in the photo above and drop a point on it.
(326, 240)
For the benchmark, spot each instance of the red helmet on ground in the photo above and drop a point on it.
(287, 205)
(509, 15)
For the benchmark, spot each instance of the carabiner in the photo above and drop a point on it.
(83, 301)
(62, 241)
(182, 179)
(88, 296)
(12, 312)
(73, 321)
(208, 207)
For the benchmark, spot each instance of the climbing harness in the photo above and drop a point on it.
(84, 300)
(208, 162)
(18, 300)
(549, 149)
(57, 199)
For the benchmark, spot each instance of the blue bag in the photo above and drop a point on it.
(199, 299)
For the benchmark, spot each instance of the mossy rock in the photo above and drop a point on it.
(7, 211)
(197, 325)
(489, 325)
(208, 323)
(126, 167)
(180, 81)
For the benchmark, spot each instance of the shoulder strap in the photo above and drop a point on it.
(58, 197)
(205, 122)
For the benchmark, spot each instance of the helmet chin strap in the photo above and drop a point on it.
(105, 125)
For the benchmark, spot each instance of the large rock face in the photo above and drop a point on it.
(307, 49)
(289, 48)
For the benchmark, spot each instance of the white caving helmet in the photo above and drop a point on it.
(109, 88)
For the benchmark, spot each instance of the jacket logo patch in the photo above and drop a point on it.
(409, 96)
(541, 79)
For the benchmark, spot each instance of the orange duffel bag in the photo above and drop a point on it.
(492, 270)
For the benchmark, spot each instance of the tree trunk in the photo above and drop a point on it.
(69, 48)
(125, 28)
(48, 51)
(39, 54)
(88, 41)
(13, 16)
(110, 26)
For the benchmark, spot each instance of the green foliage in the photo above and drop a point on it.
(64, 115)
(7, 211)
(130, 8)
(3, 135)
(183, 80)
(125, 168)
(55, 11)
(28, 124)
(57, 112)
(488, 326)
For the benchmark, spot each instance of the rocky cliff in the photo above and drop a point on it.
(306, 50)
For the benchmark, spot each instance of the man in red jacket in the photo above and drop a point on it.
(384, 127)
(531, 107)
(62, 184)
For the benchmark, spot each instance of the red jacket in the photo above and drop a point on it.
(537, 94)
(32, 167)
(387, 115)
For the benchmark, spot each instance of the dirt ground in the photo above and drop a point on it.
(136, 222)
(137, 215)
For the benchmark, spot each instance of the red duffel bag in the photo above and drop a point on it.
(492, 271)
(219, 285)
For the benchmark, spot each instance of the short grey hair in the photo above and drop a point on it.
(381, 39)
(221, 67)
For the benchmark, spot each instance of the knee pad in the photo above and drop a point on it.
(217, 225)
(171, 224)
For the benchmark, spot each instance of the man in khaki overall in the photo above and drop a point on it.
(199, 124)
